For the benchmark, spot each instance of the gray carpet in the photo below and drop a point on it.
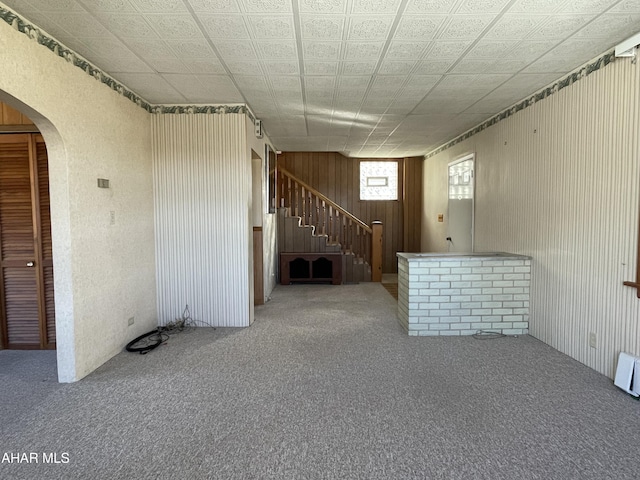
(324, 385)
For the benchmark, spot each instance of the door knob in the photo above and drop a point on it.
(31, 264)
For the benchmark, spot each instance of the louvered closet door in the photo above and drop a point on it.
(26, 283)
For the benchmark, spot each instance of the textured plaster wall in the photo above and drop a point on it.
(104, 274)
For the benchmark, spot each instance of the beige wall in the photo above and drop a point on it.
(104, 274)
(559, 181)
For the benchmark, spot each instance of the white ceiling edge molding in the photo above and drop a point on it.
(577, 75)
(628, 47)
(42, 38)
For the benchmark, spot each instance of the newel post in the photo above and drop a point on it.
(376, 251)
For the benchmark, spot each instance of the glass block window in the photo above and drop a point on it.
(461, 180)
(378, 180)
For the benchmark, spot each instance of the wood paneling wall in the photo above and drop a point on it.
(11, 116)
(338, 177)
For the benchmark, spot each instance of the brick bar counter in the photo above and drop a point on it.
(461, 293)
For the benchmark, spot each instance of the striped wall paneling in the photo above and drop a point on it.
(202, 193)
(560, 181)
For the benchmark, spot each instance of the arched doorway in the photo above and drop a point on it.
(18, 119)
(27, 309)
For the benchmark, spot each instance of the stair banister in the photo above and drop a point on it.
(329, 218)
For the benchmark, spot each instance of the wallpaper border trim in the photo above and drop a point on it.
(546, 92)
(36, 34)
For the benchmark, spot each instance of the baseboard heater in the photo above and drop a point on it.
(628, 374)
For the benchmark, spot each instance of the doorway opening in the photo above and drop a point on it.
(27, 306)
(461, 204)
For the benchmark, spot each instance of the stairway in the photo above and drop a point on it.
(295, 236)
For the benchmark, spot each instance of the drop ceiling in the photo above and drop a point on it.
(369, 78)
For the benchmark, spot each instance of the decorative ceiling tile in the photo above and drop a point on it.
(267, 6)
(196, 88)
(560, 27)
(430, 66)
(218, 6)
(322, 50)
(488, 65)
(319, 83)
(283, 68)
(225, 26)
(390, 82)
(277, 50)
(430, 6)
(322, 6)
(124, 63)
(362, 50)
(531, 50)
(321, 68)
(535, 6)
(271, 27)
(395, 68)
(578, 51)
(126, 26)
(440, 104)
(105, 47)
(191, 48)
(419, 27)
(421, 82)
(115, 6)
(149, 48)
(160, 6)
(49, 5)
(286, 84)
(402, 50)
(409, 74)
(490, 49)
(252, 83)
(167, 65)
(80, 24)
(154, 86)
(515, 26)
(262, 107)
(373, 28)
(482, 6)
(465, 26)
(243, 68)
(361, 81)
(375, 6)
(236, 51)
(211, 66)
(447, 49)
(587, 6)
(609, 25)
(627, 6)
(322, 27)
(175, 26)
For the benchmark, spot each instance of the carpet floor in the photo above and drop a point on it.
(324, 385)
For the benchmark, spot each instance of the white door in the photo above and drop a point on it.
(460, 209)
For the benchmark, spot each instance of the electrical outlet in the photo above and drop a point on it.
(132, 320)
(593, 340)
(112, 217)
